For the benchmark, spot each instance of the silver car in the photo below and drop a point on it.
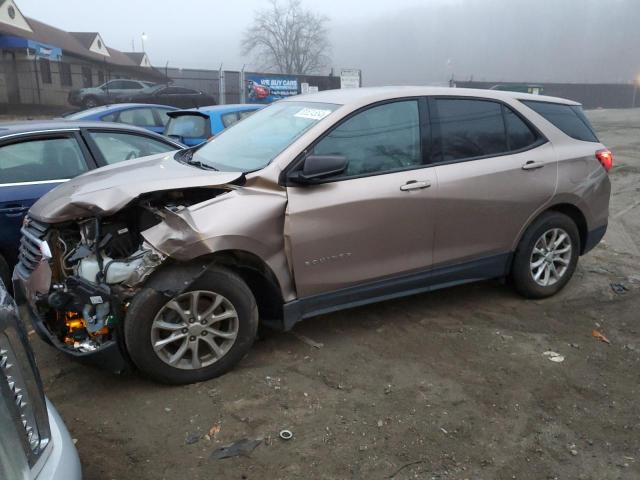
(34, 442)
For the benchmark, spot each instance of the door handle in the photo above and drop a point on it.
(531, 165)
(13, 210)
(414, 185)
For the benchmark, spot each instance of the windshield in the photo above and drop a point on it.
(253, 143)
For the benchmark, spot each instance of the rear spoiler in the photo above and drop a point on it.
(184, 113)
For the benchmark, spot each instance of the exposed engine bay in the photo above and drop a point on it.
(99, 264)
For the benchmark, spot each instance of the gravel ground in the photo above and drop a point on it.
(451, 384)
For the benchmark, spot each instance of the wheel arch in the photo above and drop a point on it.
(175, 276)
(570, 210)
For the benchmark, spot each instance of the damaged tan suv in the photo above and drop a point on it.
(314, 204)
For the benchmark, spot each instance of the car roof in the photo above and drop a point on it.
(116, 107)
(233, 107)
(35, 126)
(363, 96)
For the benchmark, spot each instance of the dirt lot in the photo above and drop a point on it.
(452, 384)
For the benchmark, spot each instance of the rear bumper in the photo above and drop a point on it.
(26, 292)
(593, 238)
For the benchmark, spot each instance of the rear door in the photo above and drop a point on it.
(30, 166)
(111, 146)
(376, 219)
(494, 169)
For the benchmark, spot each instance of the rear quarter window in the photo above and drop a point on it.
(568, 118)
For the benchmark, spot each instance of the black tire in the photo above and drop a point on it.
(148, 302)
(5, 274)
(521, 275)
(90, 102)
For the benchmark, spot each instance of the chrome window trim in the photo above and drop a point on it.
(37, 182)
(39, 132)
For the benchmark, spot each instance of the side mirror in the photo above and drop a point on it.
(318, 167)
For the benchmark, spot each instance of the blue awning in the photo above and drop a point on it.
(42, 50)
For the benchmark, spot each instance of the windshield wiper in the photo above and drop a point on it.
(186, 156)
(199, 164)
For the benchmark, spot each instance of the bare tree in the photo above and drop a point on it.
(286, 38)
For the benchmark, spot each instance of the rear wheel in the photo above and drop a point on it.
(547, 256)
(195, 335)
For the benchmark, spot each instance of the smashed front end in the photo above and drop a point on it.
(75, 279)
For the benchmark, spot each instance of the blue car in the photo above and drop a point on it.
(194, 126)
(151, 117)
(38, 156)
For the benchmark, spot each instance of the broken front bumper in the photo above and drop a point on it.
(29, 288)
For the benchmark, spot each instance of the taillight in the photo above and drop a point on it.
(605, 157)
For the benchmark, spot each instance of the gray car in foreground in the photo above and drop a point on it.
(314, 204)
(34, 442)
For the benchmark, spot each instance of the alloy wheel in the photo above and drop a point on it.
(550, 257)
(194, 329)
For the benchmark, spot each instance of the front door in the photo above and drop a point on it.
(373, 221)
(494, 172)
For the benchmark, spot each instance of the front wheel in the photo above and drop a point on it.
(195, 335)
(90, 102)
(547, 256)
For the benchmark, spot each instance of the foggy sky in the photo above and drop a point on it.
(392, 41)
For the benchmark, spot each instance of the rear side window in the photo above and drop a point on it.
(116, 147)
(142, 117)
(163, 114)
(41, 160)
(519, 135)
(470, 128)
(568, 118)
(194, 126)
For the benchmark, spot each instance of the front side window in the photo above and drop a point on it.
(116, 147)
(114, 85)
(129, 85)
(568, 118)
(41, 160)
(253, 143)
(380, 139)
(468, 129)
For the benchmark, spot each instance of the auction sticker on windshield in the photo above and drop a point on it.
(312, 113)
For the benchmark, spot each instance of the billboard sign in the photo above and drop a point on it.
(269, 88)
(350, 78)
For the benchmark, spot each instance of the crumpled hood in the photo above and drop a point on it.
(106, 190)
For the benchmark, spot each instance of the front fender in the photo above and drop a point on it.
(245, 219)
